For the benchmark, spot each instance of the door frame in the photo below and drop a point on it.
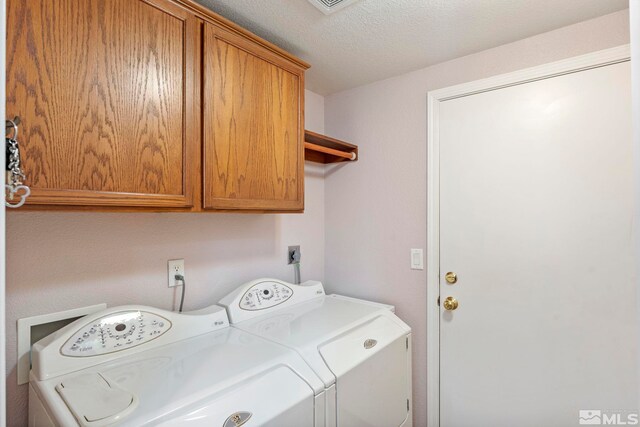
(434, 98)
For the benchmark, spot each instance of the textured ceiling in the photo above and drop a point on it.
(375, 39)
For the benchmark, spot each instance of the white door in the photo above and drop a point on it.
(536, 207)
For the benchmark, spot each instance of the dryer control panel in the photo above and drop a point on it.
(253, 298)
(115, 332)
(264, 295)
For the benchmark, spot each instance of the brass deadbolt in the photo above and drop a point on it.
(451, 277)
(450, 303)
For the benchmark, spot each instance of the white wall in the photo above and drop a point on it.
(376, 208)
(58, 261)
(634, 15)
(3, 43)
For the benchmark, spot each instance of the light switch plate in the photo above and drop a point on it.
(417, 259)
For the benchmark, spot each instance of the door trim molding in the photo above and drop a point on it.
(434, 98)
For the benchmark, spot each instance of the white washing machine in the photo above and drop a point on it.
(141, 366)
(361, 350)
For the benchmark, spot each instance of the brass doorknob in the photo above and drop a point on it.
(451, 277)
(450, 303)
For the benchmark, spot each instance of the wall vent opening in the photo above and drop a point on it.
(330, 6)
(33, 329)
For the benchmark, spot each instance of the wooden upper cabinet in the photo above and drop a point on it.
(152, 104)
(253, 126)
(108, 97)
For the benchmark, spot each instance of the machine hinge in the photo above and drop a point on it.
(407, 405)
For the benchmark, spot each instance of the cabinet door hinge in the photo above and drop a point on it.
(407, 405)
(438, 301)
(407, 343)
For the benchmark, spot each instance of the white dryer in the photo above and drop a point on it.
(141, 366)
(361, 350)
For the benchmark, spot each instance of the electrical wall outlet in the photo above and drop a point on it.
(175, 267)
(294, 255)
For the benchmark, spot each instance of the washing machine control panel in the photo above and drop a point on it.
(264, 295)
(115, 332)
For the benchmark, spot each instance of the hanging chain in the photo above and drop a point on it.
(14, 186)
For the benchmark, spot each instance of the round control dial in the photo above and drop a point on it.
(264, 295)
(116, 332)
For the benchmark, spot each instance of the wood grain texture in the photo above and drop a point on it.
(319, 148)
(252, 126)
(208, 15)
(107, 95)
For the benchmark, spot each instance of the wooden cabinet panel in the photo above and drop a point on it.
(253, 126)
(108, 96)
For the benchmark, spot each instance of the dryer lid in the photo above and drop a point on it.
(312, 322)
(306, 326)
(375, 354)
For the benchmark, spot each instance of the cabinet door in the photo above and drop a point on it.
(107, 95)
(253, 104)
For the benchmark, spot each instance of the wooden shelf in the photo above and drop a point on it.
(323, 149)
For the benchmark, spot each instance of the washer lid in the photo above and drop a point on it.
(276, 397)
(212, 375)
(94, 401)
